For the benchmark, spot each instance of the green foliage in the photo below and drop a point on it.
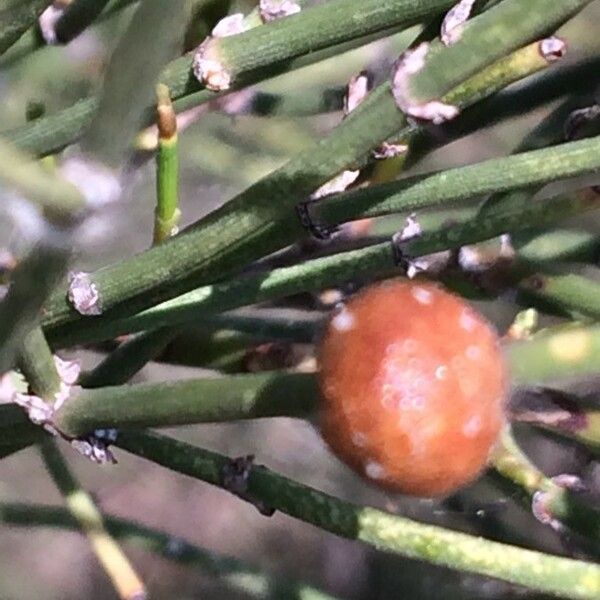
(257, 247)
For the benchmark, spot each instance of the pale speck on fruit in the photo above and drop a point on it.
(441, 372)
(467, 320)
(472, 426)
(414, 383)
(374, 470)
(343, 321)
(359, 439)
(422, 295)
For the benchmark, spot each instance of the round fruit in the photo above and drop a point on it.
(413, 384)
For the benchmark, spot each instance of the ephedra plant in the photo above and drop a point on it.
(385, 353)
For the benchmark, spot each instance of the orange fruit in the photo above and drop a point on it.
(413, 387)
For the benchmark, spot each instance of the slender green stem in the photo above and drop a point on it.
(82, 507)
(544, 247)
(37, 365)
(314, 28)
(454, 185)
(167, 214)
(268, 324)
(562, 81)
(33, 279)
(515, 66)
(548, 132)
(235, 574)
(261, 219)
(189, 401)
(131, 356)
(54, 132)
(139, 56)
(552, 503)
(559, 353)
(484, 39)
(116, 6)
(573, 418)
(372, 261)
(17, 19)
(542, 572)
(568, 291)
(224, 351)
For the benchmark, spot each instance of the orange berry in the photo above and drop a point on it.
(413, 384)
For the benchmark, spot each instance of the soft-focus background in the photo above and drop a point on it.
(220, 156)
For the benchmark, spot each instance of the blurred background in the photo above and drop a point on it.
(221, 155)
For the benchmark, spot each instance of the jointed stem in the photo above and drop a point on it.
(550, 502)
(235, 574)
(550, 574)
(81, 506)
(373, 261)
(261, 219)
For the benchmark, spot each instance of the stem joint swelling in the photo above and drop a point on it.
(408, 64)
(314, 228)
(95, 445)
(207, 66)
(234, 476)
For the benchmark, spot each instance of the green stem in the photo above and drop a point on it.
(139, 56)
(454, 185)
(315, 28)
(33, 279)
(568, 291)
(10, 449)
(548, 132)
(560, 352)
(261, 219)
(559, 505)
(224, 351)
(167, 214)
(372, 261)
(557, 354)
(235, 574)
(545, 247)
(131, 356)
(189, 401)
(486, 38)
(505, 105)
(542, 572)
(37, 365)
(82, 507)
(54, 132)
